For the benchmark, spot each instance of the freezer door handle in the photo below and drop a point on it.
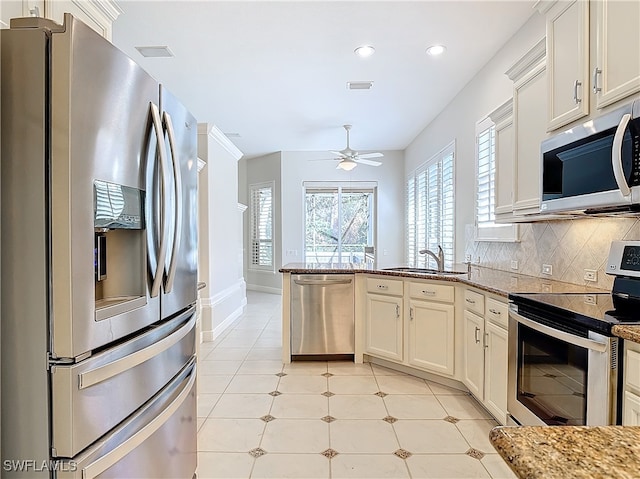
(162, 253)
(109, 370)
(177, 224)
(97, 467)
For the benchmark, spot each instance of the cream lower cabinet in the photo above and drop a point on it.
(631, 389)
(431, 336)
(383, 320)
(485, 352)
(431, 319)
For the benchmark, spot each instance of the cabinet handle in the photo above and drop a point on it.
(411, 314)
(476, 334)
(495, 311)
(470, 301)
(576, 84)
(397, 311)
(382, 286)
(486, 340)
(428, 293)
(596, 72)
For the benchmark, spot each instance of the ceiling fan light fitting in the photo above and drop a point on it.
(347, 164)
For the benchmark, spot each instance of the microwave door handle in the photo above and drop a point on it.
(177, 179)
(157, 127)
(616, 155)
(561, 335)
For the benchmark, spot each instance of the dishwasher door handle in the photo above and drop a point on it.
(321, 282)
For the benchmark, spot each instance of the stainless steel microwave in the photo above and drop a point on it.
(594, 167)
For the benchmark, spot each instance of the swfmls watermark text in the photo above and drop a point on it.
(33, 465)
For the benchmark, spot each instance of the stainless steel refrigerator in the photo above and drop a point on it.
(99, 258)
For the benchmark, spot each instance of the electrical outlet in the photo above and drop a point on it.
(514, 264)
(467, 258)
(292, 252)
(385, 252)
(477, 259)
(590, 275)
(590, 298)
(547, 269)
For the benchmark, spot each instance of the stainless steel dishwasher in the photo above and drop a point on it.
(322, 316)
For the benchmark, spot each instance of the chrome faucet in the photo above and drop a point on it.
(439, 257)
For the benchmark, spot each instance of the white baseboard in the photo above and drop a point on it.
(264, 289)
(220, 304)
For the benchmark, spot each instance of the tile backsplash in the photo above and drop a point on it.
(569, 246)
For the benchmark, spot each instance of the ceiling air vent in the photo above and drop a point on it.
(155, 51)
(359, 85)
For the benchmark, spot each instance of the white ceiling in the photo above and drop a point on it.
(276, 72)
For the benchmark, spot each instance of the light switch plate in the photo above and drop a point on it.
(590, 275)
(514, 264)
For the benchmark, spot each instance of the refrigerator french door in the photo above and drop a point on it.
(98, 258)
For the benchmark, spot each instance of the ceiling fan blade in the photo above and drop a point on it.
(337, 153)
(367, 162)
(371, 155)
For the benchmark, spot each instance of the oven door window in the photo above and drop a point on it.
(552, 378)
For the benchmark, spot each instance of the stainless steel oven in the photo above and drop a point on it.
(559, 373)
(563, 358)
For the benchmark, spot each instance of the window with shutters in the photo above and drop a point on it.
(486, 227)
(261, 196)
(430, 209)
(339, 221)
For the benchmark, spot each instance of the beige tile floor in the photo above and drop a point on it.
(258, 418)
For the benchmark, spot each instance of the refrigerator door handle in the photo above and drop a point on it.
(177, 178)
(157, 126)
(109, 370)
(97, 467)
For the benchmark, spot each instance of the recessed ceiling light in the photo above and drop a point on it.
(161, 51)
(435, 50)
(364, 51)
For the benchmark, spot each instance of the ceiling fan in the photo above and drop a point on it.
(349, 159)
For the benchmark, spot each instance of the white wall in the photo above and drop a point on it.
(296, 168)
(486, 91)
(259, 170)
(220, 233)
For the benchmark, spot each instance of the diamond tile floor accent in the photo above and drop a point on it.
(237, 436)
(329, 453)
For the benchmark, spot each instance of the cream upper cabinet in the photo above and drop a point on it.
(567, 62)
(616, 73)
(502, 117)
(529, 126)
(98, 14)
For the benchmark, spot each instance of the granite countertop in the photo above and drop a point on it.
(576, 452)
(630, 332)
(494, 281)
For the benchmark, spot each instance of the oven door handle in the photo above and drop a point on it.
(561, 335)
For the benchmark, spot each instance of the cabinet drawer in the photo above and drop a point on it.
(435, 292)
(632, 374)
(497, 312)
(384, 286)
(474, 301)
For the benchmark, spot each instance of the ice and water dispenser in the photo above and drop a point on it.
(119, 251)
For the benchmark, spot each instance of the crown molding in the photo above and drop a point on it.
(503, 112)
(215, 133)
(528, 61)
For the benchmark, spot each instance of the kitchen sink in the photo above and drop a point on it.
(406, 269)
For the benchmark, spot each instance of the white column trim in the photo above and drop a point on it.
(215, 133)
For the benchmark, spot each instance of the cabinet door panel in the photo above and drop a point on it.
(473, 373)
(568, 62)
(495, 379)
(530, 125)
(618, 50)
(631, 409)
(383, 325)
(431, 336)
